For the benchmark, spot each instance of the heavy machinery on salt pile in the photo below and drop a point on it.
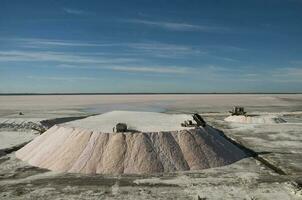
(237, 110)
(120, 128)
(197, 118)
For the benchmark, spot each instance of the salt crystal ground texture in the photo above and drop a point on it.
(265, 119)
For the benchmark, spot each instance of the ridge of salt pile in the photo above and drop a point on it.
(160, 145)
(265, 119)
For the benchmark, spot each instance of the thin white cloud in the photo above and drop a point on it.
(247, 74)
(73, 11)
(165, 50)
(227, 48)
(128, 49)
(144, 69)
(63, 57)
(62, 78)
(288, 74)
(67, 66)
(223, 58)
(159, 46)
(296, 62)
(62, 43)
(154, 49)
(177, 26)
(141, 45)
(86, 62)
(137, 69)
(38, 42)
(130, 57)
(280, 75)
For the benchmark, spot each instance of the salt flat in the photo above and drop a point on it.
(9, 139)
(75, 104)
(261, 119)
(250, 178)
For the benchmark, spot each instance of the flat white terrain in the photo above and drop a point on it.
(262, 119)
(278, 144)
(138, 121)
(49, 105)
(9, 139)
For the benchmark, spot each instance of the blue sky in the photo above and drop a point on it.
(151, 46)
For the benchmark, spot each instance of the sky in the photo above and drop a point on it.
(165, 46)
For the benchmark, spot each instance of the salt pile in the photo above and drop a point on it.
(268, 119)
(20, 124)
(159, 144)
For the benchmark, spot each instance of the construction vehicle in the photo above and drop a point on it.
(187, 123)
(197, 118)
(237, 110)
(120, 128)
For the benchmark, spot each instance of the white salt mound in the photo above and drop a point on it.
(161, 145)
(268, 119)
(140, 121)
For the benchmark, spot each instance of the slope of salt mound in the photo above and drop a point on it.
(140, 121)
(268, 119)
(68, 148)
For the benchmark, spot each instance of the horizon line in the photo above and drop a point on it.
(141, 93)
